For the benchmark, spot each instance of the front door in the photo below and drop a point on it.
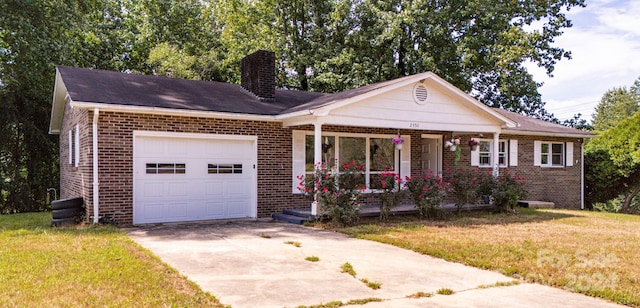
(432, 154)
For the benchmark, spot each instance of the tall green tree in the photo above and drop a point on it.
(613, 163)
(616, 105)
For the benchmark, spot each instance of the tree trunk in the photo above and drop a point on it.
(628, 198)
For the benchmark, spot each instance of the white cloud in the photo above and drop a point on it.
(605, 46)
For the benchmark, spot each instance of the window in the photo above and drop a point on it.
(224, 168)
(74, 146)
(484, 153)
(166, 168)
(376, 152)
(553, 154)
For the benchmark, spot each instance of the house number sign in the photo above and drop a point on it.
(414, 125)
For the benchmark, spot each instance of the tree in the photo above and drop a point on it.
(614, 162)
(616, 105)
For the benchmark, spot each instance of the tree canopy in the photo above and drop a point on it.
(480, 46)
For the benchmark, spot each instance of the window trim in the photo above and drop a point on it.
(398, 156)
(505, 153)
(567, 151)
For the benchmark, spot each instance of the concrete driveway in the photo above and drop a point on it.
(248, 264)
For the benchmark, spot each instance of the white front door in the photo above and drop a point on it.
(186, 179)
(432, 154)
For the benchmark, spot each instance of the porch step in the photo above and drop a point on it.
(293, 219)
(304, 213)
(536, 204)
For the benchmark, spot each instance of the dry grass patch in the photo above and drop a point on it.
(585, 252)
(74, 266)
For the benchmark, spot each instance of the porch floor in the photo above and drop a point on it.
(301, 215)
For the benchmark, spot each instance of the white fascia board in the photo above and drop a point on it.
(547, 134)
(173, 112)
(57, 105)
(412, 125)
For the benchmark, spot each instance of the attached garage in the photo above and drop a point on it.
(187, 177)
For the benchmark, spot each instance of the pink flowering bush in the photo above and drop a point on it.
(336, 191)
(509, 189)
(392, 193)
(427, 192)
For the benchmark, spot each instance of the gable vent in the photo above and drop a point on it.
(420, 93)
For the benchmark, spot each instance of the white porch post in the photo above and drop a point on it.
(495, 157)
(317, 159)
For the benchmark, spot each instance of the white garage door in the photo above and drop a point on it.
(186, 179)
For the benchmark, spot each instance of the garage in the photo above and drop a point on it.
(188, 177)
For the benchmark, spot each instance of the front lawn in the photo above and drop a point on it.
(41, 266)
(585, 252)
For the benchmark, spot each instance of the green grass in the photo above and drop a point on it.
(348, 268)
(294, 244)
(592, 253)
(374, 285)
(334, 304)
(445, 291)
(76, 266)
(420, 295)
(312, 259)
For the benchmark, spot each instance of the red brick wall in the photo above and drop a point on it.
(558, 185)
(76, 181)
(116, 158)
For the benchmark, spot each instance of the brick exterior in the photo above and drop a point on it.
(558, 185)
(274, 172)
(258, 71)
(76, 181)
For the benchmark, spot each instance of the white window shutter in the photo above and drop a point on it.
(77, 146)
(475, 156)
(70, 147)
(569, 152)
(405, 158)
(298, 159)
(537, 153)
(513, 152)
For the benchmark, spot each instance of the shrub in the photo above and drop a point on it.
(463, 186)
(337, 192)
(484, 186)
(427, 192)
(391, 194)
(509, 189)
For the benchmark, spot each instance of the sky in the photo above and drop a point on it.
(605, 48)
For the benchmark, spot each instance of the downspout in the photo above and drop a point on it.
(96, 183)
(582, 175)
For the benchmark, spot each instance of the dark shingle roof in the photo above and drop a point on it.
(528, 124)
(98, 86)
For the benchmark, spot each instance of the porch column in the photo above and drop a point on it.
(317, 159)
(495, 157)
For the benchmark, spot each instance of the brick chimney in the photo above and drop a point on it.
(259, 74)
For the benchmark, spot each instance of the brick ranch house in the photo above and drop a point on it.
(148, 149)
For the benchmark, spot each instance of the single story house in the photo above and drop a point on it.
(148, 149)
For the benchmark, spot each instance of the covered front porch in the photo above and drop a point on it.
(361, 125)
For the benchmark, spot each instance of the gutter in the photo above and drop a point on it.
(582, 175)
(96, 182)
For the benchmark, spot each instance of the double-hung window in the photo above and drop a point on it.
(483, 155)
(553, 154)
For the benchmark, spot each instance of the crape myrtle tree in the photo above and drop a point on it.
(480, 46)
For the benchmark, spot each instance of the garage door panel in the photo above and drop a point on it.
(214, 209)
(176, 211)
(235, 208)
(195, 192)
(177, 189)
(235, 188)
(151, 211)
